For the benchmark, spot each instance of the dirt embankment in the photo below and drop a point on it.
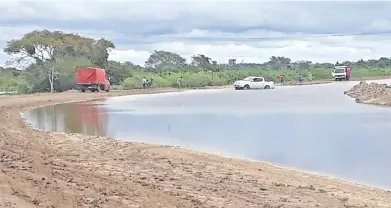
(40, 169)
(371, 93)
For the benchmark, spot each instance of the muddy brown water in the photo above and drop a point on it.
(313, 128)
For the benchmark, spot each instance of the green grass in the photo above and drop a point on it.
(202, 78)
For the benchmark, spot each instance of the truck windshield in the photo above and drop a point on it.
(339, 71)
(247, 79)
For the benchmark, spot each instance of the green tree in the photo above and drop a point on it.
(278, 62)
(44, 48)
(204, 62)
(200, 60)
(100, 52)
(117, 72)
(41, 46)
(163, 59)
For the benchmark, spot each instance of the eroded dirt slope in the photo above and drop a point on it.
(68, 170)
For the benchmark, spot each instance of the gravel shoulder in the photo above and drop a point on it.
(371, 93)
(40, 169)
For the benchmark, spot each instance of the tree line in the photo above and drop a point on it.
(48, 60)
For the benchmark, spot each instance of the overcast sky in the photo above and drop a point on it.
(219, 29)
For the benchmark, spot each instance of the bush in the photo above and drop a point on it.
(18, 84)
(132, 83)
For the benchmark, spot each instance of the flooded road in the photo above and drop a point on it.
(314, 128)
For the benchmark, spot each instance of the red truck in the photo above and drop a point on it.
(93, 79)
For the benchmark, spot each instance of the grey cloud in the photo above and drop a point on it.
(170, 17)
(141, 24)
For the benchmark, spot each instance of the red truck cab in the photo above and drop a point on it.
(93, 79)
(348, 71)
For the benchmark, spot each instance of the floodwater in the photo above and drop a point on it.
(313, 128)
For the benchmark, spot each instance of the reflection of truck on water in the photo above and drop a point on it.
(93, 79)
(93, 119)
(253, 83)
(341, 73)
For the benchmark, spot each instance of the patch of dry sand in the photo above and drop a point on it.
(41, 169)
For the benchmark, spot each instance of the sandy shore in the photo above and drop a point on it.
(41, 169)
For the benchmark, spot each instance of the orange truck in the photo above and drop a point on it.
(92, 79)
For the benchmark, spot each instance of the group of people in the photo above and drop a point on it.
(299, 78)
(147, 83)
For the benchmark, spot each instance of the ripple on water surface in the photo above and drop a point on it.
(315, 128)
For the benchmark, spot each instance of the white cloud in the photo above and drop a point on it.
(219, 29)
(137, 57)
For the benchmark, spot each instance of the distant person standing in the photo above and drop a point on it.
(300, 78)
(309, 76)
(150, 82)
(282, 78)
(144, 83)
(179, 82)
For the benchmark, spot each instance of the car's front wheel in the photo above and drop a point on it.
(267, 87)
(246, 87)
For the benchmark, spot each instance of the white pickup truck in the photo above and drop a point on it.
(253, 83)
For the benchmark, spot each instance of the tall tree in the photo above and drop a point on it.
(44, 48)
(278, 62)
(201, 60)
(100, 52)
(118, 72)
(164, 58)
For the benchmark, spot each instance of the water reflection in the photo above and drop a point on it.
(314, 128)
(85, 118)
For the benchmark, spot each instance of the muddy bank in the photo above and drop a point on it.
(371, 93)
(41, 169)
